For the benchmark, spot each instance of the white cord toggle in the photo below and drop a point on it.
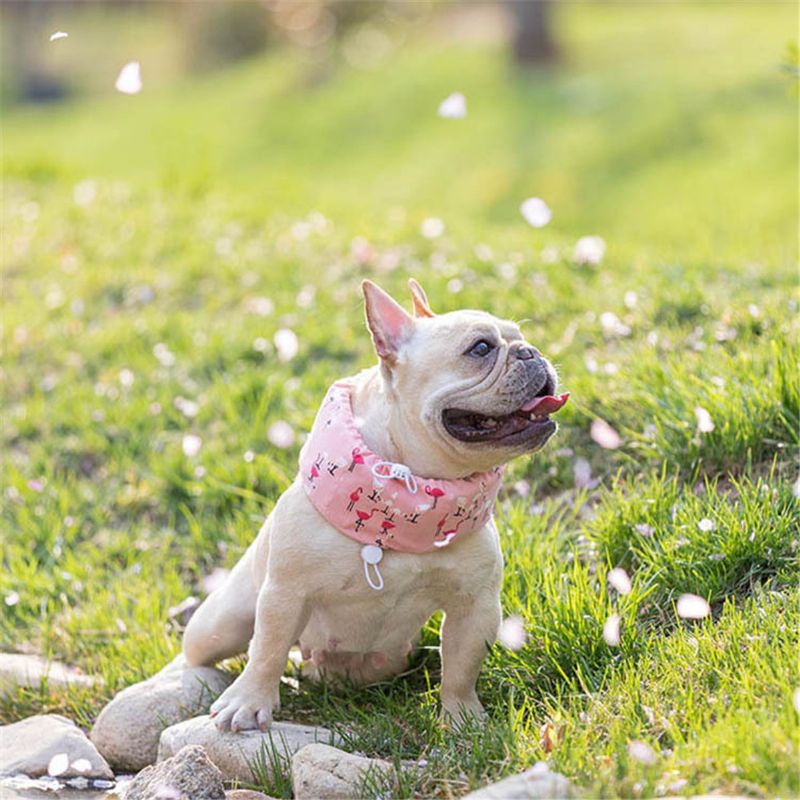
(371, 555)
(399, 471)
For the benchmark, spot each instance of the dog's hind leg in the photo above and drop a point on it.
(223, 625)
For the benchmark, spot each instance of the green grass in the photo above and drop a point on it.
(670, 130)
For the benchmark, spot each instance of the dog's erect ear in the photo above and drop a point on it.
(420, 299)
(389, 323)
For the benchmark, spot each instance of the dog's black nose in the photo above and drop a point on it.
(526, 353)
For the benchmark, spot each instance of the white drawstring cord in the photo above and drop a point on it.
(376, 586)
(399, 471)
(371, 554)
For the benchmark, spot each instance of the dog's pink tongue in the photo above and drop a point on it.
(545, 405)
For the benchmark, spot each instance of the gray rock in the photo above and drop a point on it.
(17, 670)
(128, 728)
(187, 776)
(537, 783)
(320, 772)
(234, 753)
(30, 746)
(246, 794)
(16, 790)
(42, 789)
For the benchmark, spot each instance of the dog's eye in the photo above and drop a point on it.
(481, 348)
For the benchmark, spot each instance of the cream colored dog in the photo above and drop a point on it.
(444, 400)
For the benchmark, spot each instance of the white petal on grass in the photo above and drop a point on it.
(512, 633)
(286, 344)
(58, 35)
(582, 470)
(432, 228)
(611, 631)
(618, 579)
(453, 107)
(612, 325)
(191, 445)
(589, 250)
(82, 765)
(129, 80)
(796, 488)
(260, 306)
(692, 606)
(704, 422)
(164, 355)
(536, 212)
(640, 751)
(281, 434)
(706, 525)
(58, 765)
(12, 598)
(605, 435)
(796, 699)
(84, 192)
(188, 408)
(643, 529)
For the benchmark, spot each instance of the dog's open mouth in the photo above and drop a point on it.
(531, 419)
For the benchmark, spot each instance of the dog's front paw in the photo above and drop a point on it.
(244, 706)
(462, 711)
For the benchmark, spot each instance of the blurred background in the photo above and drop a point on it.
(332, 105)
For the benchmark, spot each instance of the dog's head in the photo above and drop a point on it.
(464, 384)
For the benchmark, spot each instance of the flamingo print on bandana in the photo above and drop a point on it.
(421, 514)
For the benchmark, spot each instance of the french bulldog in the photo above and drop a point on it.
(453, 396)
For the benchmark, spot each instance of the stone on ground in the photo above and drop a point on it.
(537, 783)
(128, 728)
(17, 669)
(189, 775)
(246, 794)
(49, 741)
(321, 772)
(234, 753)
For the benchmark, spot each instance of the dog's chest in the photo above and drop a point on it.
(415, 587)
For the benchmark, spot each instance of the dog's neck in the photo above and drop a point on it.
(394, 438)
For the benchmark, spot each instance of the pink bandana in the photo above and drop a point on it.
(380, 503)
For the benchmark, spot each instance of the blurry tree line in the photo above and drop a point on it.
(216, 32)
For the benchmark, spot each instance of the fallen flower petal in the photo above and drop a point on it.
(618, 579)
(512, 633)
(704, 422)
(536, 212)
(58, 765)
(640, 751)
(453, 107)
(129, 80)
(611, 631)
(605, 435)
(191, 445)
(692, 606)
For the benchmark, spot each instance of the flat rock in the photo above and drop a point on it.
(128, 728)
(17, 669)
(30, 746)
(246, 794)
(44, 789)
(537, 783)
(321, 772)
(234, 753)
(189, 775)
